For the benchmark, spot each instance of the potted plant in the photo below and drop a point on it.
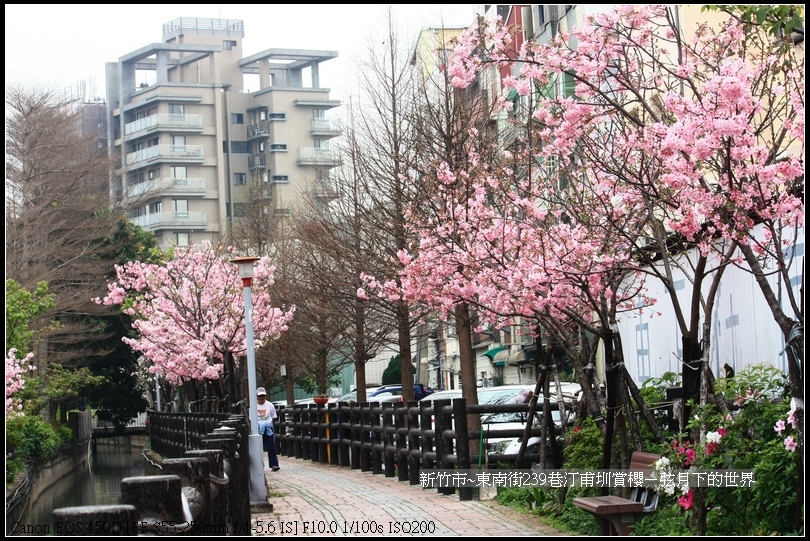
(321, 399)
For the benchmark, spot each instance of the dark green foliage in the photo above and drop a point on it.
(120, 398)
(33, 438)
(392, 374)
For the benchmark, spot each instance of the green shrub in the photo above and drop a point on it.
(32, 438)
(745, 439)
(13, 466)
(667, 520)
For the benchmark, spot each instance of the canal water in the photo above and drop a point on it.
(97, 484)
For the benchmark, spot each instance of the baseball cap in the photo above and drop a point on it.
(260, 391)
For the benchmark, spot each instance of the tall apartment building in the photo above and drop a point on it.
(196, 128)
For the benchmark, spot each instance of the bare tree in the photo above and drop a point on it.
(386, 156)
(58, 219)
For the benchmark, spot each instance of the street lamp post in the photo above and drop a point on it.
(258, 484)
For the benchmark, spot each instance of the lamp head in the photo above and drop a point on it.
(245, 266)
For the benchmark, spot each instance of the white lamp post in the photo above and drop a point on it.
(258, 484)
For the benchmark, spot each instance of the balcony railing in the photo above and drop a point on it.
(257, 161)
(160, 220)
(318, 156)
(176, 186)
(163, 121)
(188, 153)
(324, 127)
(260, 129)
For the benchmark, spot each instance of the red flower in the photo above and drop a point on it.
(687, 499)
(722, 431)
(577, 429)
(690, 456)
(712, 448)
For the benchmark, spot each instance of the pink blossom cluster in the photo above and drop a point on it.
(685, 451)
(781, 426)
(189, 313)
(15, 368)
(643, 125)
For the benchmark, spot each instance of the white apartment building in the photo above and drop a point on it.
(194, 127)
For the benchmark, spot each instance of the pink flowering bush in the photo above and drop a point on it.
(783, 429)
(758, 434)
(15, 368)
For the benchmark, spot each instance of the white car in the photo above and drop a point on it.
(510, 445)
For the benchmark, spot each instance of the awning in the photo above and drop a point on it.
(516, 358)
(498, 356)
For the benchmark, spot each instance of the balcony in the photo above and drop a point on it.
(318, 156)
(257, 161)
(163, 122)
(322, 127)
(158, 153)
(324, 190)
(170, 186)
(171, 220)
(260, 129)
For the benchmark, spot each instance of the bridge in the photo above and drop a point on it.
(136, 427)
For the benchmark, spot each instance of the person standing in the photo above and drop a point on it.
(266, 415)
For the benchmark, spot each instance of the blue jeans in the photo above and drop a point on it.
(269, 442)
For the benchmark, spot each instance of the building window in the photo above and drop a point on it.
(240, 147)
(280, 179)
(239, 179)
(179, 172)
(278, 147)
(237, 118)
(180, 208)
(177, 111)
(277, 116)
(178, 143)
(228, 45)
(181, 239)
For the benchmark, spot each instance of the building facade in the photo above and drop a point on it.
(204, 137)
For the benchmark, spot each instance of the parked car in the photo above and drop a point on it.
(351, 396)
(383, 393)
(443, 395)
(517, 420)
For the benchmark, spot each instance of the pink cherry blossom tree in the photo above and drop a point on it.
(190, 316)
(509, 251)
(699, 134)
(15, 368)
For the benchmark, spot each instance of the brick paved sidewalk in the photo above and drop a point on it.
(311, 499)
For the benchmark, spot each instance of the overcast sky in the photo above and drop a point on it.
(58, 45)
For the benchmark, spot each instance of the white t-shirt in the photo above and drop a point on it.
(266, 411)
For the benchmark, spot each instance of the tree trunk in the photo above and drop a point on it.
(406, 369)
(469, 391)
